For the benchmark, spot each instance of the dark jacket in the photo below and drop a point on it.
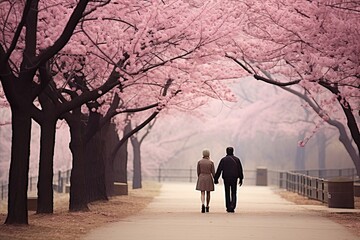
(230, 167)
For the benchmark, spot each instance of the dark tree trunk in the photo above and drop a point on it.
(346, 141)
(47, 120)
(137, 181)
(78, 199)
(45, 203)
(109, 177)
(123, 160)
(112, 138)
(95, 170)
(95, 164)
(120, 163)
(19, 166)
(19, 94)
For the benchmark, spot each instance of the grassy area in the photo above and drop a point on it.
(63, 225)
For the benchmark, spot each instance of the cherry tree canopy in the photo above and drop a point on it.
(313, 44)
(148, 43)
(94, 46)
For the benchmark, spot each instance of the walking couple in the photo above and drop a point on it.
(231, 170)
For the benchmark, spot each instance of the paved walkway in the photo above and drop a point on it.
(261, 214)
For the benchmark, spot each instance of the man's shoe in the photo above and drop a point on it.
(230, 210)
(207, 209)
(203, 208)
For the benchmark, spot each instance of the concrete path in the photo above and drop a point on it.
(261, 214)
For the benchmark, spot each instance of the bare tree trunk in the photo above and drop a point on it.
(137, 181)
(45, 202)
(112, 165)
(78, 200)
(95, 169)
(120, 163)
(345, 140)
(19, 166)
(109, 132)
(121, 175)
(95, 164)
(19, 94)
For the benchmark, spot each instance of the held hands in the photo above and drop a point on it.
(216, 181)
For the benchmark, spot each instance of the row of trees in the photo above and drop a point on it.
(95, 64)
(109, 67)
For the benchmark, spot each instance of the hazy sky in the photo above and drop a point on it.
(263, 126)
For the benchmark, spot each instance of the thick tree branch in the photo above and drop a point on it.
(264, 79)
(17, 32)
(65, 36)
(351, 121)
(133, 131)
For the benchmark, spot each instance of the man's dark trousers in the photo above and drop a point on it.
(230, 194)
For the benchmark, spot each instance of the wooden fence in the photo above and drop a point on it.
(310, 183)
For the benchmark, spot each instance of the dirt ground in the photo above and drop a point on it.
(349, 220)
(64, 225)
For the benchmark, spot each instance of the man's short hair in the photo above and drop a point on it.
(230, 151)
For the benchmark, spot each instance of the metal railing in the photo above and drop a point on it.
(59, 181)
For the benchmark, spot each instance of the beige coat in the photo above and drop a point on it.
(205, 172)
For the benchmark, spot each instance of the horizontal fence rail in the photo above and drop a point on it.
(329, 173)
(313, 184)
(311, 187)
(183, 175)
(60, 179)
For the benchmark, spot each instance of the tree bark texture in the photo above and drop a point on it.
(45, 202)
(95, 169)
(137, 180)
(78, 199)
(19, 167)
(121, 159)
(112, 138)
(18, 91)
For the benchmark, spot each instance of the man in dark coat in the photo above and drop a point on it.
(231, 169)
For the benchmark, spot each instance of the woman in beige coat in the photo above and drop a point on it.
(205, 182)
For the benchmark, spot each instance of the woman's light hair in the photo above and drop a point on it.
(206, 153)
